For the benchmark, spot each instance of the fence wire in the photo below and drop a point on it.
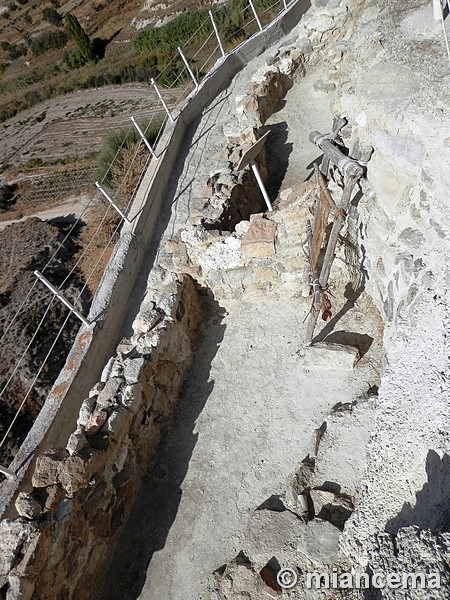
(156, 112)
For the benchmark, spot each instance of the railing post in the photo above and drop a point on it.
(285, 4)
(113, 204)
(7, 472)
(437, 10)
(189, 70)
(144, 139)
(256, 14)
(158, 93)
(61, 297)
(261, 185)
(219, 41)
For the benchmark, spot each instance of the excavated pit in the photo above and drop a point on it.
(252, 400)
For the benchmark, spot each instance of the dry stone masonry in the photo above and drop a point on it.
(69, 521)
(372, 493)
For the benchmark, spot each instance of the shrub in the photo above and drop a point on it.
(49, 40)
(7, 195)
(117, 143)
(13, 51)
(174, 33)
(34, 163)
(52, 16)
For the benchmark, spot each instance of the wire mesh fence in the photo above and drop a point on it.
(100, 222)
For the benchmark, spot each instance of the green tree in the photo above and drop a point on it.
(84, 43)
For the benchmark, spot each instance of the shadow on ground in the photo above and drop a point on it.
(277, 156)
(180, 183)
(431, 509)
(157, 504)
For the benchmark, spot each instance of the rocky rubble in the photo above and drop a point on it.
(262, 254)
(301, 528)
(399, 523)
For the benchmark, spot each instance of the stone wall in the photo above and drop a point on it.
(392, 92)
(60, 545)
(111, 304)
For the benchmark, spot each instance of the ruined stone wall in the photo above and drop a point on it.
(392, 92)
(69, 522)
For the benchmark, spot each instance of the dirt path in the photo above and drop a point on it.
(245, 418)
(70, 210)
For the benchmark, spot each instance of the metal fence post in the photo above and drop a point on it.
(113, 204)
(256, 14)
(219, 41)
(189, 70)
(61, 297)
(158, 93)
(144, 139)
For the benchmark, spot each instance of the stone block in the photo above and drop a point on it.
(77, 470)
(131, 397)
(96, 420)
(118, 423)
(148, 317)
(86, 410)
(46, 471)
(76, 441)
(132, 369)
(27, 506)
(113, 368)
(107, 396)
(259, 240)
(329, 356)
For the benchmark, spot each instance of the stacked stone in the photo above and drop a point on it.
(81, 495)
(261, 255)
(269, 84)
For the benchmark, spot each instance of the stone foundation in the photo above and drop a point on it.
(64, 538)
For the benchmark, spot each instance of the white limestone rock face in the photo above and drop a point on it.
(394, 101)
